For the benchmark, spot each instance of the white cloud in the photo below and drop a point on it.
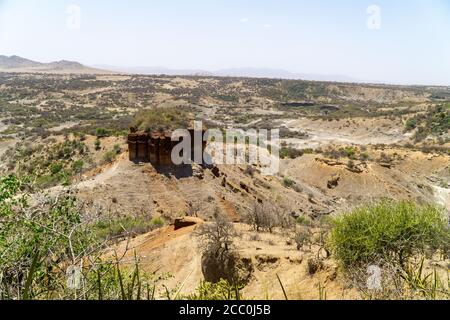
(244, 20)
(267, 26)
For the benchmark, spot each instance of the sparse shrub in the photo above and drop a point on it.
(157, 222)
(77, 166)
(33, 240)
(98, 144)
(351, 164)
(302, 238)
(364, 156)
(219, 258)
(385, 158)
(109, 156)
(389, 231)
(291, 153)
(304, 221)
(110, 228)
(288, 182)
(56, 168)
(101, 132)
(161, 119)
(222, 290)
(117, 149)
(314, 265)
(414, 281)
(349, 152)
(266, 217)
(411, 124)
(217, 235)
(332, 153)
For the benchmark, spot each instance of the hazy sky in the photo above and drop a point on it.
(408, 40)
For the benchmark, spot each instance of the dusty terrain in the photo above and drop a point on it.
(353, 142)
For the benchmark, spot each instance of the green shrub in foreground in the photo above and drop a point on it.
(222, 290)
(388, 231)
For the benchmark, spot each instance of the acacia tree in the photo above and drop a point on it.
(219, 258)
(42, 237)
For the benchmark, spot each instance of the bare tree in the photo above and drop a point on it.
(219, 259)
(218, 235)
(267, 217)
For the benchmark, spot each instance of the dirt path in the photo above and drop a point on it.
(100, 178)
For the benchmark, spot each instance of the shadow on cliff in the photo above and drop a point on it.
(179, 172)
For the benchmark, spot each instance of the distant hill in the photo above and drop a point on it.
(235, 72)
(19, 64)
(14, 62)
(281, 74)
(156, 71)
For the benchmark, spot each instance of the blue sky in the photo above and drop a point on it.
(320, 37)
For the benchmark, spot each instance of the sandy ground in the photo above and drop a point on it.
(3, 126)
(177, 254)
(139, 188)
(66, 125)
(357, 131)
(6, 144)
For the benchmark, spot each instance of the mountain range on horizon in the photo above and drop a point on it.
(248, 72)
(22, 65)
(18, 64)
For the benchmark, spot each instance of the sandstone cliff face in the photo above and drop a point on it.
(156, 147)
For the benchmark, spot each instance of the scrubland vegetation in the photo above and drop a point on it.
(397, 238)
(436, 121)
(69, 198)
(41, 235)
(162, 120)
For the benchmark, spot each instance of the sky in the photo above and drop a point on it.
(401, 41)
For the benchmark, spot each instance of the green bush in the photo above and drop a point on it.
(56, 168)
(77, 166)
(110, 156)
(292, 153)
(349, 152)
(388, 231)
(288, 182)
(411, 124)
(435, 122)
(157, 222)
(101, 132)
(222, 290)
(161, 119)
(98, 144)
(117, 149)
(33, 240)
(304, 221)
(38, 245)
(117, 228)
